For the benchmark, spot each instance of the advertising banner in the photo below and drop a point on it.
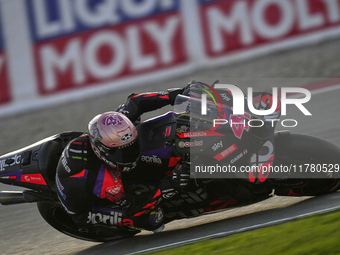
(80, 43)
(5, 93)
(59, 50)
(231, 26)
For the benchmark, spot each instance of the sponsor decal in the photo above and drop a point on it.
(167, 131)
(217, 146)
(15, 160)
(238, 156)
(64, 163)
(112, 218)
(102, 147)
(226, 152)
(109, 219)
(199, 134)
(182, 129)
(182, 144)
(126, 169)
(108, 162)
(33, 178)
(225, 97)
(127, 138)
(112, 120)
(113, 191)
(154, 159)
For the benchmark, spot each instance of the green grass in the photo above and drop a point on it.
(313, 235)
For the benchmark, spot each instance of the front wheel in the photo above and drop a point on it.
(56, 216)
(298, 152)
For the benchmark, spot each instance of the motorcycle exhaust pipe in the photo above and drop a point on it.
(12, 197)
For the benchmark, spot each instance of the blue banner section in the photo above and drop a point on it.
(210, 1)
(1, 34)
(55, 18)
(1, 41)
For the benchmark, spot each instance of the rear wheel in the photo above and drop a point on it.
(60, 220)
(297, 152)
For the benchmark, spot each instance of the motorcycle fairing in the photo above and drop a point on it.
(34, 166)
(18, 176)
(157, 154)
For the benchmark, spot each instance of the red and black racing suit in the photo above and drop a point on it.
(86, 185)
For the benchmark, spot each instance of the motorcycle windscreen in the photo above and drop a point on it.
(219, 142)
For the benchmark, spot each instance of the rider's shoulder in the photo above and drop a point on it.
(78, 147)
(84, 139)
(77, 156)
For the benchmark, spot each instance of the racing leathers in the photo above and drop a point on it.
(87, 187)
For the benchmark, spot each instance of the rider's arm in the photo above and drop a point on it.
(71, 178)
(137, 104)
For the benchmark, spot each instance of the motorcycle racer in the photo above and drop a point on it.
(89, 171)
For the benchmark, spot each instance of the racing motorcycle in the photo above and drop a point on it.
(230, 164)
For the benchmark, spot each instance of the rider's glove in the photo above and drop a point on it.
(81, 221)
(123, 109)
(129, 202)
(173, 93)
(181, 177)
